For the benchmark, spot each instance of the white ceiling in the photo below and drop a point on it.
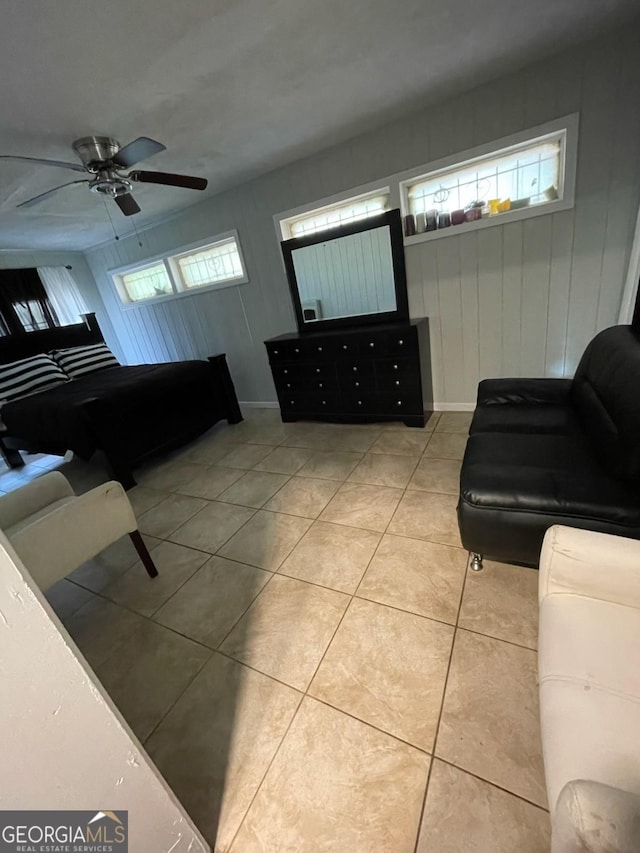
(234, 88)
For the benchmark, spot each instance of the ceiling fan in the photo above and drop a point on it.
(104, 160)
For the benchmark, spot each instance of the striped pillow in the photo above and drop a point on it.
(28, 376)
(80, 361)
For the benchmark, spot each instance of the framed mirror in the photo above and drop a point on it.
(351, 275)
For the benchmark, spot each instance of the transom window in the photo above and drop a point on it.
(523, 175)
(331, 216)
(208, 266)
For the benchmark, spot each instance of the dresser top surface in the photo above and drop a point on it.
(347, 332)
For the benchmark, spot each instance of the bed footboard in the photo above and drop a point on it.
(223, 377)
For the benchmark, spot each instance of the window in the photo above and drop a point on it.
(31, 315)
(531, 172)
(147, 283)
(199, 267)
(323, 218)
(210, 265)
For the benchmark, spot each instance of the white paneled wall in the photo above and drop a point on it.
(522, 298)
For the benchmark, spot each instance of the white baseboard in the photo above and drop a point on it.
(454, 407)
(258, 404)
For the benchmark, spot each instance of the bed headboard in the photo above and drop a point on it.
(15, 347)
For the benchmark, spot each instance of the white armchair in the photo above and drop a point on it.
(54, 531)
(589, 671)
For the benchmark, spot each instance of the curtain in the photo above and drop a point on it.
(63, 294)
(24, 305)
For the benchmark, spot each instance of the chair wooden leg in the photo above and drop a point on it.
(143, 553)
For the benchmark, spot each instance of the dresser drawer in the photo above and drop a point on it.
(401, 402)
(386, 367)
(306, 372)
(402, 343)
(291, 383)
(308, 402)
(358, 384)
(398, 383)
(286, 351)
(360, 403)
(360, 369)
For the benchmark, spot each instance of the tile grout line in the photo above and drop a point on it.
(442, 703)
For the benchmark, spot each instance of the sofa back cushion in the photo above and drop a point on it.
(606, 395)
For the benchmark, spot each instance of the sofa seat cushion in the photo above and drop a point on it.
(544, 474)
(589, 692)
(529, 418)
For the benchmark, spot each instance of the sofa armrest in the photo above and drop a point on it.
(493, 392)
(33, 497)
(596, 565)
(59, 542)
(594, 818)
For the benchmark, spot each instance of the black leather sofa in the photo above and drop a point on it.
(555, 451)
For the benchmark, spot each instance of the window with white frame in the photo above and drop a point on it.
(198, 267)
(333, 215)
(516, 177)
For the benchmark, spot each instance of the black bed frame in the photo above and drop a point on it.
(15, 347)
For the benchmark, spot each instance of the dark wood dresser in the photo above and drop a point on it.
(354, 375)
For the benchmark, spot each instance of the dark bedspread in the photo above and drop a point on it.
(134, 409)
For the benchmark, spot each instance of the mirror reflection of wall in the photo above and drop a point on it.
(347, 276)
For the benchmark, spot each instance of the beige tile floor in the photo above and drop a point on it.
(315, 668)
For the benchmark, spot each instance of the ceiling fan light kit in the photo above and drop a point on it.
(104, 159)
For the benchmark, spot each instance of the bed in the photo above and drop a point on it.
(128, 413)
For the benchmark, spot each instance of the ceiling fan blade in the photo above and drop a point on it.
(140, 149)
(127, 204)
(169, 180)
(38, 198)
(76, 167)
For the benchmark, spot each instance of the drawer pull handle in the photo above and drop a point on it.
(317, 370)
(324, 402)
(395, 366)
(401, 343)
(397, 381)
(285, 371)
(359, 402)
(371, 344)
(291, 401)
(288, 385)
(344, 346)
(356, 369)
(320, 385)
(399, 403)
(357, 384)
(297, 350)
(275, 352)
(319, 349)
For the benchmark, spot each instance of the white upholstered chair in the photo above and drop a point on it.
(589, 672)
(54, 531)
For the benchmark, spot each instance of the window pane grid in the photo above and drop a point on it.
(530, 175)
(149, 283)
(350, 211)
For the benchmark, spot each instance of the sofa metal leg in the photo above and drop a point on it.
(476, 562)
(143, 553)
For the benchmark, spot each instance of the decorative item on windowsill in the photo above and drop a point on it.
(431, 220)
(444, 219)
(457, 217)
(421, 223)
(473, 211)
(409, 225)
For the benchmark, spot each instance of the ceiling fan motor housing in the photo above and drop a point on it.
(108, 182)
(95, 151)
